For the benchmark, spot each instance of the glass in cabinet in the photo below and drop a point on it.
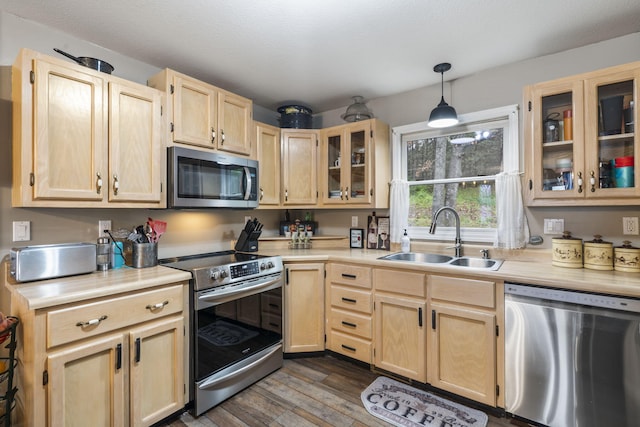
(347, 161)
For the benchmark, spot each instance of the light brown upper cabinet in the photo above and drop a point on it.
(355, 166)
(82, 138)
(268, 155)
(203, 115)
(299, 167)
(588, 158)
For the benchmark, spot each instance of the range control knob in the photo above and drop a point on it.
(214, 274)
(270, 264)
(263, 266)
(223, 274)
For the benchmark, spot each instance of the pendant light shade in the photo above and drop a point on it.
(443, 115)
(357, 111)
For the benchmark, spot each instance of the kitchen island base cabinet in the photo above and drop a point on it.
(464, 337)
(304, 307)
(400, 343)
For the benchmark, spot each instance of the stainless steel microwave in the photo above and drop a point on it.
(202, 179)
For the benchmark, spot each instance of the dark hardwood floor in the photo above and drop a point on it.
(315, 391)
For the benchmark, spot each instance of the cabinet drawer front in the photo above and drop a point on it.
(351, 275)
(400, 282)
(481, 293)
(111, 314)
(351, 299)
(356, 348)
(351, 323)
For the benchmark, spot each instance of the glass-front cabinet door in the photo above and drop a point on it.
(611, 142)
(581, 140)
(555, 120)
(347, 164)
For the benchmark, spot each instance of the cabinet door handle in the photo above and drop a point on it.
(116, 185)
(286, 195)
(156, 306)
(579, 182)
(98, 183)
(286, 276)
(420, 317)
(118, 356)
(349, 276)
(349, 324)
(138, 350)
(346, 193)
(346, 347)
(592, 182)
(213, 135)
(221, 137)
(433, 319)
(351, 300)
(92, 322)
(261, 193)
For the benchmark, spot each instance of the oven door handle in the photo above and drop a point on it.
(247, 179)
(215, 381)
(223, 296)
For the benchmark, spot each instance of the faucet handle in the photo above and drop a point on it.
(485, 253)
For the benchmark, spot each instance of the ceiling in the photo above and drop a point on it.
(320, 53)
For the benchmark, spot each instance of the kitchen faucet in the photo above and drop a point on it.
(432, 229)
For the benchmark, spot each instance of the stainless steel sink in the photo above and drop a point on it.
(491, 264)
(427, 258)
(418, 257)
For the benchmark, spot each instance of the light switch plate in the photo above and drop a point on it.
(21, 231)
(354, 221)
(630, 225)
(553, 226)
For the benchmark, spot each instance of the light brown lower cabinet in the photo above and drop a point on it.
(400, 341)
(463, 337)
(114, 361)
(303, 307)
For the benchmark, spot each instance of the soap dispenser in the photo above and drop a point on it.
(405, 242)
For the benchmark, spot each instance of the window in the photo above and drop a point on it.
(456, 167)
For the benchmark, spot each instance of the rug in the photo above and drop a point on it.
(404, 406)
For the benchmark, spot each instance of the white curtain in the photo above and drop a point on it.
(399, 211)
(513, 229)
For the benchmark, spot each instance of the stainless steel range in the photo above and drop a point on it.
(236, 322)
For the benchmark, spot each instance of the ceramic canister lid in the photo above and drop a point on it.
(566, 251)
(598, 254)
(626, 258)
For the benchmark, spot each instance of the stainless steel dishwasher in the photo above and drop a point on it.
(572, 358)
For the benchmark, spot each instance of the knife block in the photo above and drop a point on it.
(247, 242)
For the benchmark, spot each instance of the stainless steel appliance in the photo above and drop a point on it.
(40, 262)
(236, 322)
(203, 179)
(572, 358)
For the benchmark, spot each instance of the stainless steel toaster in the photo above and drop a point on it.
(40, 262)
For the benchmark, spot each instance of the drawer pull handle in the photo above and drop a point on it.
(349, 324)
(346, 347)
(349, 276)
(351, 300)
(274, 305)
(157, 306)
(275, 325)
(91, 322)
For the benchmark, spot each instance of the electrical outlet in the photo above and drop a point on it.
(354, 221)
(104, 224)
(21, 231)
(630, 225)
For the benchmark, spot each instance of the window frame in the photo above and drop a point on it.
(510, 162)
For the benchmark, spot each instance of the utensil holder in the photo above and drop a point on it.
(248, 242)
(144, 255)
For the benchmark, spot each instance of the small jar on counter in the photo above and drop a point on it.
(566, 251)
(626, 258)
(103, 254)
(598, 254)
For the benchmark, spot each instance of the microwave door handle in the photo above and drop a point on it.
(247, 174)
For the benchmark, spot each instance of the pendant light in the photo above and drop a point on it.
(443, 115)
(357, 111)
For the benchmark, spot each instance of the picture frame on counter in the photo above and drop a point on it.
(356, 238)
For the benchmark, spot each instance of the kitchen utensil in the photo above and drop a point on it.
(157, 229)
(96, 64)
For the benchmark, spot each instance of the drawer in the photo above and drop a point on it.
(481, 293)
(352, 275)
(400, 282)
(351, 299)
(65, 325)
(351, 323)
(272, 322)
(356, 348)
